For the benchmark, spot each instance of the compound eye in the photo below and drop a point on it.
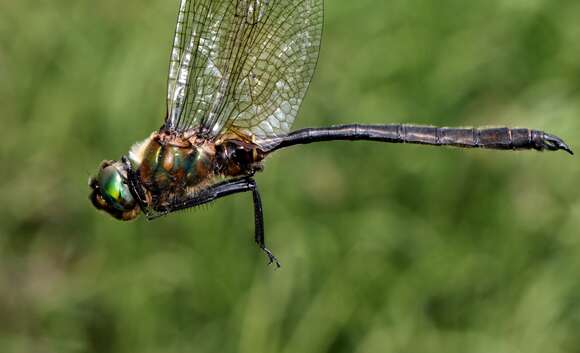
(114, 189)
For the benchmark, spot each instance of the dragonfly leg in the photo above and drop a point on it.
(217, 191)
(133, 182)
(259, 227)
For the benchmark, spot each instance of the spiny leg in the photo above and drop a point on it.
(133, 182)
(219, 190)
(259, 227)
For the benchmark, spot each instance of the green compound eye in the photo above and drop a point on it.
(114, 189)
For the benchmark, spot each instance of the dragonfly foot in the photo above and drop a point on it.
(271, 258)
(554, 143)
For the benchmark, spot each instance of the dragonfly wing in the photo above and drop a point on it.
(242, 65)
(175, 100)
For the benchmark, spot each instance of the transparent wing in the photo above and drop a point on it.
(243, 65)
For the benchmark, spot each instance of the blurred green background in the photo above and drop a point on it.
(384, 248)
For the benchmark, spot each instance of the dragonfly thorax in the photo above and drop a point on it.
(169, 167)
(166, 163)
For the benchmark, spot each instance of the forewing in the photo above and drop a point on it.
(242, 65)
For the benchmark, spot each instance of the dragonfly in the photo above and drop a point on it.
(238, 72)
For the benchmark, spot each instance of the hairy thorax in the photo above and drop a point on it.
(172, 166)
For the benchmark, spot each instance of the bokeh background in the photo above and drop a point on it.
(385, 248)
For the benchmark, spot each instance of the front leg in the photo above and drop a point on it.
(259, 227)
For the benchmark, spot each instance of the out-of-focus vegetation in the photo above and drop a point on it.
(385, 248)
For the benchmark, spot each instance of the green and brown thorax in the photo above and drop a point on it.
(172, 167)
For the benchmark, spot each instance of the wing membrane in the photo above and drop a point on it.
(243, 65)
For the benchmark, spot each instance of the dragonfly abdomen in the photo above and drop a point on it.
(501, 138)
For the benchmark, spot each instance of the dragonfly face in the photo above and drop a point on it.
(238, 72)
(111, 192)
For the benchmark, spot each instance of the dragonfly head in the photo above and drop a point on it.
(111, 192)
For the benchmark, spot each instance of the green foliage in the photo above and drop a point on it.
(384, 248)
